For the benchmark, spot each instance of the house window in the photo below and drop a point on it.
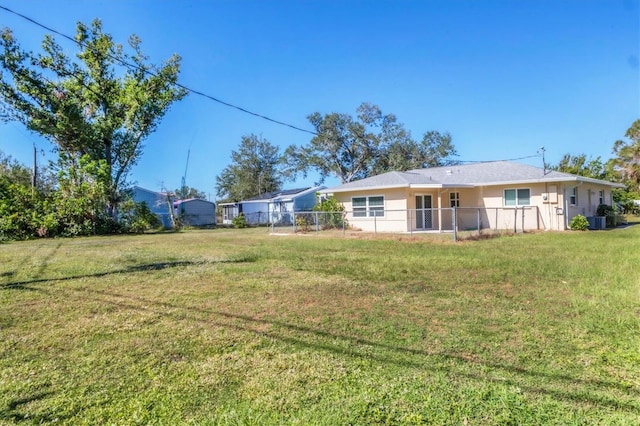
(573, 196)
(454, 199)
(359, 206)
(368, 206)
(601, 197)
(517, 197)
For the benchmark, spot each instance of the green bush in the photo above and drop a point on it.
(137, 217)
(239, 221)
(332, 213)
(303, 223)
(579, 223)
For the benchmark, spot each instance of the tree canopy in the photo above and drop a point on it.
(580, 165)
(354, 148)
(187, 192)
(627, 157)
(255, 169)
(101, 105)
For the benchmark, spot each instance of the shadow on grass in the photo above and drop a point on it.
(13, 413)
(156, 266)
(558, 385)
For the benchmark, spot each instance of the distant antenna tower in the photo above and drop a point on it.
(184, 176)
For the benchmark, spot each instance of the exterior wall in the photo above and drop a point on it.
(588, 199)
(395, 216)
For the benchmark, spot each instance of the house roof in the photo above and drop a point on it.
(190, 200)
(467, 175)
(283, 195)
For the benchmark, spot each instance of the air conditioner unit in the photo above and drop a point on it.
(597, 222)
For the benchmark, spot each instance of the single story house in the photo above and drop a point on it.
(157, 202)
(272, 207)
(195, 211)
(490, 195)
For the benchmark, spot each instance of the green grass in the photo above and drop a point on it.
(241, 327)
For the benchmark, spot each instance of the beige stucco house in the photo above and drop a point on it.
(492, 195)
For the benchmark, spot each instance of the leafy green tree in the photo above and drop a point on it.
(434, 150)
(627, 157)
(186, 192)
(354, 148)
(102, 105)
(13, 171)
(581, 166)
(255, 169)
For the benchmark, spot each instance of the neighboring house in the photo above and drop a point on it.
(272, 207)
(157, 203)
(195, 212)
(496, 195)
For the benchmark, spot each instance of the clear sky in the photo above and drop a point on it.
(504, 78)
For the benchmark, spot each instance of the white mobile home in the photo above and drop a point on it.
(276, 207)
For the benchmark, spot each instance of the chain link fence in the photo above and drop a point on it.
(459, 221)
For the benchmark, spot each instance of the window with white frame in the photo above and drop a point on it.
(573, 196)
(601, 197)
(454, 199)
(517, 197)
(368, 206)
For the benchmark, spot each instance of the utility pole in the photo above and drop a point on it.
(544, 164)
(34, 175)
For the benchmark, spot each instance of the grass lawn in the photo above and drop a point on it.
(242, 327)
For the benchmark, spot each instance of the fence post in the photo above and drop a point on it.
(317, 225)
(375, 222)
(294, 221)
(455, 224)
(515, 220)
(478, 222)
(410, 222)
(344, 216)
(523, 219)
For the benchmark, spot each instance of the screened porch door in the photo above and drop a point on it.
(424, 214)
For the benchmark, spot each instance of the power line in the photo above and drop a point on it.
(493, 161)
(130, 65)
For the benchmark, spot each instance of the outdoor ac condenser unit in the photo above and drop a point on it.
(597, 222)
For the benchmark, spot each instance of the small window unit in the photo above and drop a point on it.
(517, 197)
(454, 199)
(368, 206)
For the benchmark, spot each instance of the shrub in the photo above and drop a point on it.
(303, 223)
(333, 213)
(239, 221)
(579, 223)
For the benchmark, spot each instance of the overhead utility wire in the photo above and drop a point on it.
(493, 161)
(130, 65)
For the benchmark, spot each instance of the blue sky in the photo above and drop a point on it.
(504, 78)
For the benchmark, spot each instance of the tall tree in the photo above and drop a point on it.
(254, 170)
(373, 142)
(434, 150)
(187, 192)
(102, 105)
(580, 165)
(627, 160)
